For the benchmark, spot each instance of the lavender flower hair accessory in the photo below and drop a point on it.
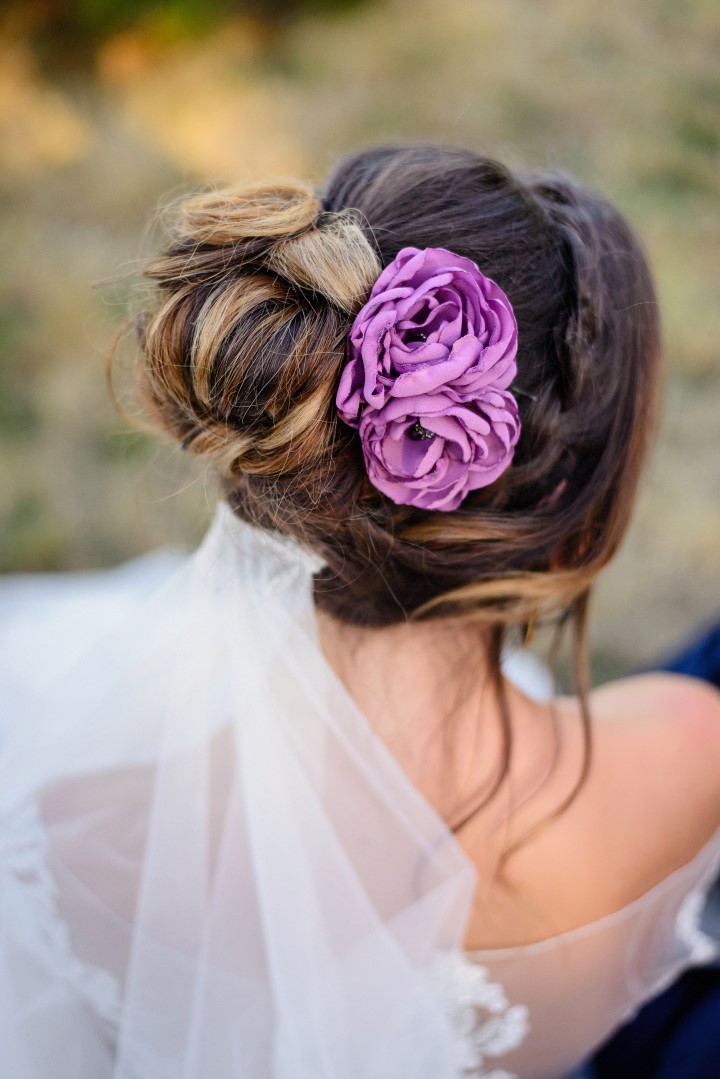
(430, 358)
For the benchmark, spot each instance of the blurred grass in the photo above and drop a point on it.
(626, 96)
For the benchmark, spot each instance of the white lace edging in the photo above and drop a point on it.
(24, 871)
(701, 947)
(486, 1025)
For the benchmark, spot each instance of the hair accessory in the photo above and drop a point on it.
(430, 358)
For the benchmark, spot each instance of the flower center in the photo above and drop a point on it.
(418, 433)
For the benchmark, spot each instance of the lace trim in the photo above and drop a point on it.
(486, 1025)
(702, 948)
(24, 870)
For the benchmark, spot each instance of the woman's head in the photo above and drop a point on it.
(258, 291)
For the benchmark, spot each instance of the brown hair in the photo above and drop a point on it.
(241, 362)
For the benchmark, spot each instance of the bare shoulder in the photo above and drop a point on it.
(650, 802)
(666, 718)
(659, 695)
(656, 772)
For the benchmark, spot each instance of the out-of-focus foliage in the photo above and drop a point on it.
(130, 102)
(66, 33)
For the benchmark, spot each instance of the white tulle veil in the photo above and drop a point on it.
(211, 866)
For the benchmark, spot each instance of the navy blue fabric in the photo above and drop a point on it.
(677, 1035)
(701, 658)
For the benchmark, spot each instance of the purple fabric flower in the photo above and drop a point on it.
(430, 359)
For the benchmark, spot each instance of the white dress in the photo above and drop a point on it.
(211, 868)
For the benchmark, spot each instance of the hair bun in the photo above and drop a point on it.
(257, 211)
(334, 260)
(241, 360)
(327, 254)
(259, 287)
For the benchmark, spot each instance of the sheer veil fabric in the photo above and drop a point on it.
(211, 866)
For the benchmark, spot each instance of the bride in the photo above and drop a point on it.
(302, 806)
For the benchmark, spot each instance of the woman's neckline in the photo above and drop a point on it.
(710, 850)
(709, 853)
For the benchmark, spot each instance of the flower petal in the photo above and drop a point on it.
(453, 380)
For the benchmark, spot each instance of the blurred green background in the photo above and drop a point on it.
(110, 107)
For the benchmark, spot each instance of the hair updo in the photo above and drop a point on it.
(258, 290)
